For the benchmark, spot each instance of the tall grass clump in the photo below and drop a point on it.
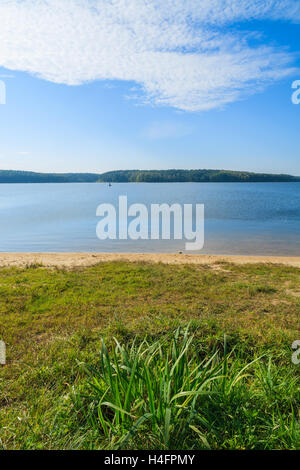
(165, 395)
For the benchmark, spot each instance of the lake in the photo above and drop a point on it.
(240, 218)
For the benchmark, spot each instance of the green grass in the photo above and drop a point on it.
(154, 386)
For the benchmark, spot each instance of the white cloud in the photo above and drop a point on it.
(182, 53)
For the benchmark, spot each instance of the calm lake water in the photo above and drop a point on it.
(240, 218)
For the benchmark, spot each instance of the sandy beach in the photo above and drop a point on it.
(71, 260)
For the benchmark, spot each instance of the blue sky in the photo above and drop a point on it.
(112, 84)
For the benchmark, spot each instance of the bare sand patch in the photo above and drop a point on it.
(70, 260)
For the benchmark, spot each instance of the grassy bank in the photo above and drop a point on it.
(54, 386)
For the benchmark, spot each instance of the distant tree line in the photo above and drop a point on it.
(11, 176)
(146, 176)
(190, 176)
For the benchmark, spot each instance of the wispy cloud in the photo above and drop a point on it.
(180, 52)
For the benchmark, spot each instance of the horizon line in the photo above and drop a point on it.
(148, 169)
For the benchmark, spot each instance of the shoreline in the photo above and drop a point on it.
(72, 260)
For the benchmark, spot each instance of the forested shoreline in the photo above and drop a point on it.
(147, 176)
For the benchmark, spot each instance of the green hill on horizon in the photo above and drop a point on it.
(12, 176)
(193, 176)
(147, 176)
